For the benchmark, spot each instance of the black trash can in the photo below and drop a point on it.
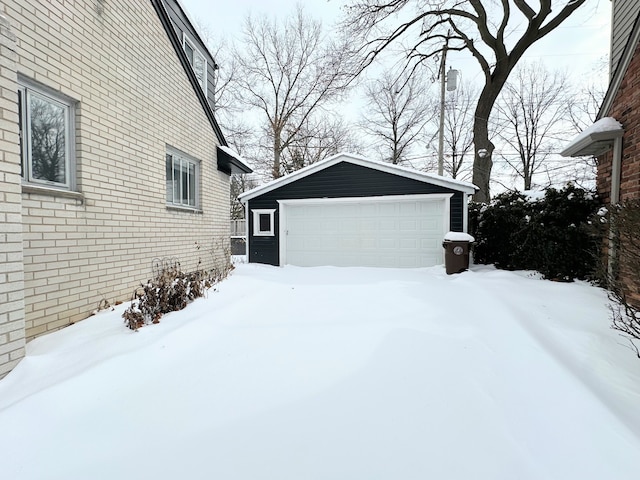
(456, 251)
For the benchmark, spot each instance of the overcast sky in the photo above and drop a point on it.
(577, 44)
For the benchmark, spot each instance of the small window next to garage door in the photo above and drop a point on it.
(263, 222)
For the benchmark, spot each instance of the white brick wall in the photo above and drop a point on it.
(12, 334)
(134, 98)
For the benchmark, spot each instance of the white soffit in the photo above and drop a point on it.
(595, 140)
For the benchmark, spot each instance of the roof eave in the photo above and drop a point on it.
(231, 163)
(362, 161)
(621, 70)
(593, 144)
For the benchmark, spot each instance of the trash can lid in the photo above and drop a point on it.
(458, 237)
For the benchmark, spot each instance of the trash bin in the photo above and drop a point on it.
(456, 251)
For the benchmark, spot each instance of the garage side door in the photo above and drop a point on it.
(375, 233)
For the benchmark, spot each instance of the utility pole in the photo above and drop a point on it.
(447, 83)
(443, 66)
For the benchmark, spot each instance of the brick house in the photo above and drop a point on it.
(615, 137)
(110, 156)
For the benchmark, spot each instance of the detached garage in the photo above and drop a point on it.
(351, 211)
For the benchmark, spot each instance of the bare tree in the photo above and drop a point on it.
(398, 111)
(240, 184)
(289, 72)
(531, 113)
(483, 27)
(225, 69)
(583, 107)
(228, 111)
(317, 139)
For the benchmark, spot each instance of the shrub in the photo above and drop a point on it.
(623, 279)
(552, 235)
(170, 290)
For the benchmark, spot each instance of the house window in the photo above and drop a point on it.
(197, 60)
(183, 179)
(46, 137)
(263, 222)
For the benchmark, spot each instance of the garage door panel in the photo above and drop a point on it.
(409, 209)
(430, 223)
(431, 243)
(405, 233)
(409, 225)
(368, 210)
(390, 224)
(388, 209)
(410, 244)
(368, 243)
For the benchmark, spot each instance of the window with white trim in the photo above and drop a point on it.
(183, 180)
(263, 222)
(46, 137)
(197, 60)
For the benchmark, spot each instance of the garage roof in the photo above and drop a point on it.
(465, 187)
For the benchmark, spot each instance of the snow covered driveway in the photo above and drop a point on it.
(328, 373)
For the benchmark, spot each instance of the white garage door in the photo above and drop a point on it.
(398, 231)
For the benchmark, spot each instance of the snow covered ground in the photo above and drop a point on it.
(335, 373)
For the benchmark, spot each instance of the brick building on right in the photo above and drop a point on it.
(615, 141)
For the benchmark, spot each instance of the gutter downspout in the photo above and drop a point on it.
(616, 166)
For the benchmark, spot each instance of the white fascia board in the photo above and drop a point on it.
(621, 70)
(465, 187)
(605, 129)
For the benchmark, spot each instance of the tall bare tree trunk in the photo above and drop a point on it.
(483, 152)
(483, 146)
(277, 151)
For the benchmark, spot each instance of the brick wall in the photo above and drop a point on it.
(11, 266)
(133, 99)
(626, 109)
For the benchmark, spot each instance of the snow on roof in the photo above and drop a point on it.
(235, 162)
(467, 187)
(606, 124)
(595, 139)
(195, 26)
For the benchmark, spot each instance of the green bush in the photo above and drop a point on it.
(553, 234)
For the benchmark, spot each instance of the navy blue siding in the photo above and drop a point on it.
(341, 180)
(181, 24)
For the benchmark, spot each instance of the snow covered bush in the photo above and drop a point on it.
(551, 234)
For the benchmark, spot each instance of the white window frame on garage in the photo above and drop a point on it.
(257, 213)
(282, 229)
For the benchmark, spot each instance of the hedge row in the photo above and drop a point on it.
(558, 235)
